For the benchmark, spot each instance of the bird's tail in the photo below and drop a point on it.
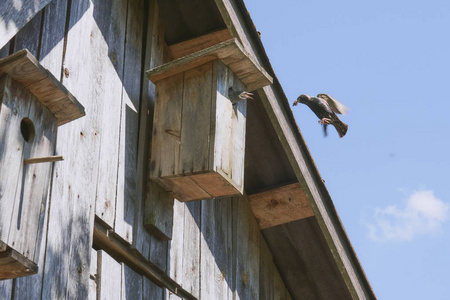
(341, 127)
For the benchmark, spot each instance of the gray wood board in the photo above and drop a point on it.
(158, 218)
(216, 249)
(111, 22)
(30, 286)
(111, 277)
(247, 251)
(15, 106)
(304, 260)
(15, 14)
(72, 206)
(266, 270)
(28, 37)
(31, 194)
(127, 197)
(94, 272)
(191, 248)
(132, 284)
(195, 119)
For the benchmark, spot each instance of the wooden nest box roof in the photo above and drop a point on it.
(230, 52)
(23, 67)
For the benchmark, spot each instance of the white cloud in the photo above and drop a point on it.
(422, 213)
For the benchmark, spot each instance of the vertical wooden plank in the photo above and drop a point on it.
(127, 200)
(266, 273)
(222, 120)
(151, 290)
(239, 126)
(74, 182)
(30, 232)
(110, 278)
(166, 136)
(132, 284)
(28, 36)
(93, 275)
(145, 122)
(247, 252)
(208, 264)
(25, 220)
(176, 245)
(110, 17)
(165, 157)
(158, 218)
(15, 14)
(50, 55)
(279, 289)
(31, 197)
(4, 51)
(216, 249)
(152, 248)
(191, 248)
(14, 107)
(52, 40)
(195, 127)
(6, 287)
(230, 127)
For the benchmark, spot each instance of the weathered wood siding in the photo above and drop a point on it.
(100, 50)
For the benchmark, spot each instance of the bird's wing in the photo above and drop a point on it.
(335, 105)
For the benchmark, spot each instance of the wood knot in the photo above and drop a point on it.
(273, 203)
(245, 277)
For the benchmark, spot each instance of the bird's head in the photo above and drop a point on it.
(302, 99)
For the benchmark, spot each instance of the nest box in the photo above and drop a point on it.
(199, 126)
(33, 103)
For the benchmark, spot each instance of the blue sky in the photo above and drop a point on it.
(389, 62)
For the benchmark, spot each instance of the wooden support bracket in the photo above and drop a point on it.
(280, 205)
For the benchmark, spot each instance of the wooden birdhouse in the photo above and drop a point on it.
(32, 104)
(199, 125)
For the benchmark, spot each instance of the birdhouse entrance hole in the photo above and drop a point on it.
(27, 130)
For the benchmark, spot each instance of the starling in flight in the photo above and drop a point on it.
(326, 108)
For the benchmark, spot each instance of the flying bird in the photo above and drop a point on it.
(326, 108)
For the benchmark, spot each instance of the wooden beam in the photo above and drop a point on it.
(280, 205)
(199, 43)
(121, 251)
(231, 53)
(13, 264)
(23, 67)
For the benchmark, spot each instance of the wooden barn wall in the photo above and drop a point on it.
(100, 50)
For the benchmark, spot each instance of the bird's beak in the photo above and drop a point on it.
(295, 103)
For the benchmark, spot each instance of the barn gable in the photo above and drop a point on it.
(110, 227)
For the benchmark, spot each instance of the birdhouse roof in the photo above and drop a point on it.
(230, 52)
(23, 67)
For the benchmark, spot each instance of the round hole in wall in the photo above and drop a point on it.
(27, 130)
